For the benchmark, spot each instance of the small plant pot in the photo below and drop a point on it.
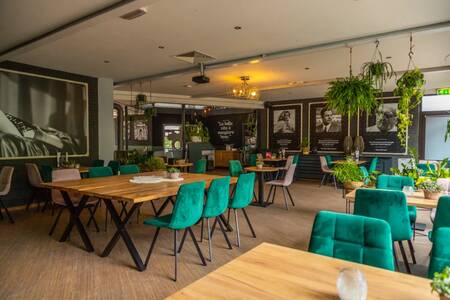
(353, 185)
(444, 297)
(431, 195)
(174, 175)
(305, 150)
(259, 166)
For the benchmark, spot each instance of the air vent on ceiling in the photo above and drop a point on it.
(134, 14)
(194, 57)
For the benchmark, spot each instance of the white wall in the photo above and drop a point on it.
(105, 119)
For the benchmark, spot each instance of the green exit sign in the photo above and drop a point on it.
(443, 91)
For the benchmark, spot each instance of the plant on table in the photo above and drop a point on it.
(259, 164)
(431, 189)
(305, 145)
(196, 132)
(349, 174)
(409, 168)
(174, 173)
(441, 283)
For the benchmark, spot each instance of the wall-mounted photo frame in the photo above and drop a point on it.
(285, 126)
(379, 129)
(326, 128)
(41, 116)
(138, 130)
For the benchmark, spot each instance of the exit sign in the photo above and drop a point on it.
(443, 91)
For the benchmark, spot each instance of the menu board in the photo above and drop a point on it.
(285, 126)
(327, 128)
(379, 129)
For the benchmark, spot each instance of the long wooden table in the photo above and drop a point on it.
(119, 188)
(416, 199)
(273, 272)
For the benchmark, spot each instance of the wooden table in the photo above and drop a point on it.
(274, 159)
(342, 161)
(273, 272)
(260, 172)
(416, 199)
(119, 188)
(183, 166)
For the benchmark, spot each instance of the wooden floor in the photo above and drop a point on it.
(34, 265)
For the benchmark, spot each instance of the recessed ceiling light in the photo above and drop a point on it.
(237, 27)
(161, 47)
(135, 14)
(388, 57)
(106, 61)
(255, 61)
(307, 68)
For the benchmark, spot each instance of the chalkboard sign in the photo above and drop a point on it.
(226, 129)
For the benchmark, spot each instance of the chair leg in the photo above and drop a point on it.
(11, 220)
(209, 239)
(405, 259)
(395, 257)
(183, 239)
(285, 198)
(411, 249)
(228, 217)
(201, 231)
(52, 229)
(152, 246)
(1, 214)
(175, 252)
(222, 228)
(237, 228)
(153, 206)
(273, 195)
(324, 176)
(334, 180)
(33, 194)
(248, 222)
(200, 254)
(270, 192)
(290, 196)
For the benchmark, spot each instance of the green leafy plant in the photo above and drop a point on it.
(441, 282)
(430, 186)
(441, 170)
(305, 142)
(141, 99)
(410, 90)
(378, 72)
(350, 94)
(196, 129)
(150, 112)
(447, 133)
(154, 164)
(173, 170)
(347, 171)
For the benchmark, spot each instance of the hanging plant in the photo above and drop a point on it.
(447, 134)
(378, 72)
(349, 94)
(141, 99)
(410, 90)
(150, 112)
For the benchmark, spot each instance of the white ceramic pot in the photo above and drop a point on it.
(174, 175)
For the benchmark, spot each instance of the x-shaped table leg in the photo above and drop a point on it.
(122, 232)
(75, 220)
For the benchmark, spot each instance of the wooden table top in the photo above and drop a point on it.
(417, 199)
(183, 165)
(341, 161)
(274, 159)
(120, 188)
(80, 169)
(263, 169)
(273, 272)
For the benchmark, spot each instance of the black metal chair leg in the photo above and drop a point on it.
(411, 249)
(175, 252)
(405, 259)
(274, 192)
(395, 257)
(249, 223)
(183, 239)
(33, 194)
(52, 229)
(11, 220)
(238, 238)
(285, 199)
(290, 196)
(200, 254)
(222, 228)
(153, 206)
(152, 246)
(270, 193)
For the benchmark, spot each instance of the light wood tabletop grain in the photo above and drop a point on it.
(263, 169)
(274, 272)
(120, 188)
(417, 199)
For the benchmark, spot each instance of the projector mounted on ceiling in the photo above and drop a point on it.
(201, 79)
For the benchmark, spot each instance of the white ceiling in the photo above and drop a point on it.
(208, 26)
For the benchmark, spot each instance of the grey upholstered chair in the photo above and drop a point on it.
(284, 184)
(326, 172)
(5, 186)
(35, 180)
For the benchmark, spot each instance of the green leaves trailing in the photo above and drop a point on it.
(409, 86)
(378, 73)
(447, 134)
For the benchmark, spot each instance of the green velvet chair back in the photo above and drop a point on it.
(114, 165)
(442, 217)
(243, 193)
(440, 253)
(385, 205)
(98, 163)
(329, 160)
(200, 166)
(365, 174)
(252, 160)
(100, 172)
(188, 205)
(296, 159)
(235, 168)
(373, 165)
(393, 182)
(129, 169)
(46, 173)
(218, 197)
(353, 238)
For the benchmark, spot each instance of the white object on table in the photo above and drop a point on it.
(351, 285)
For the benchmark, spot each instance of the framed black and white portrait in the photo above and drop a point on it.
(285, 123)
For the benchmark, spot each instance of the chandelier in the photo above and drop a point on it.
(245, 91)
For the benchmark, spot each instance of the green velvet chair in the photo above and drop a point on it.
(186, 212)
(296, 159)
(440, 253)
(46, 173)
(365, 174)
(95, 172)
(389, 206)
(216, 204)
(235, 168)
(252, 160)
(373, 165)
(200, 166)
(114, 165)
(396, 183)
(353, 238)
(442, 217)
(98, 163)
(242, 197)
(329, 160)
(129, 169)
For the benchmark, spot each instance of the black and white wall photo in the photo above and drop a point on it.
(285, 126)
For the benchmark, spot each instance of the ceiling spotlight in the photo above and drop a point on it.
(237, 27)
(134, 14)
(388, 57)
(307, 68)
(161, 47)
(106, 61)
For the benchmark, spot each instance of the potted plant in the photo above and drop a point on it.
(431, 189)
(141, 99)
(349, 174)
(150, 112)
(378, 71)
(305, 146)
(153, 164)
(441, 283)
(197, 132)
(174, 173)
(259, 164)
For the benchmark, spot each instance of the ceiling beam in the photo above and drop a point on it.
(115, 10)
(277, 54)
